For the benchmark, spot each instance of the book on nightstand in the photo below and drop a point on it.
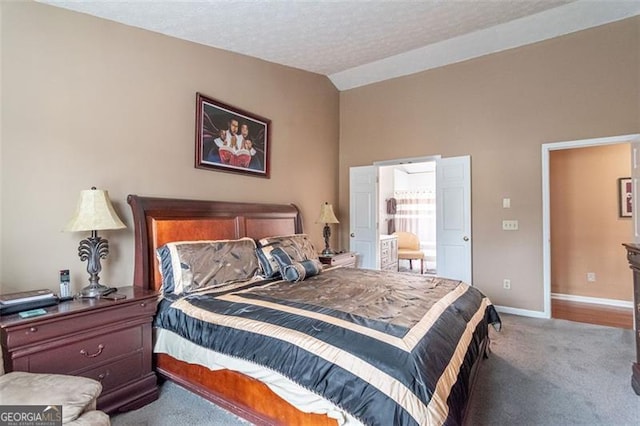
(25, 296)
(10, 303)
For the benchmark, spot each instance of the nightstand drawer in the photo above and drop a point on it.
(117, 373)
(79, 355)
(38, 331)
(346, 259)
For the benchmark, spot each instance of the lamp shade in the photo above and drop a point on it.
(327, 215)
(94, 212)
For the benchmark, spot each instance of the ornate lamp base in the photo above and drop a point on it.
(94, 290)
(93, 249)
(326, 233)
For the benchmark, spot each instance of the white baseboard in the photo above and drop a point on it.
(521, 312)
(594, 300)
(568, 297)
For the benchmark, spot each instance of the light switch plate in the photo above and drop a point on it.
(506, 203)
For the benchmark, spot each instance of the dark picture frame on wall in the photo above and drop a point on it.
(229, 139)
(625, 197)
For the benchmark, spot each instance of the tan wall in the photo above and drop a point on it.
(500, 109)
(586, 230)
(1, 115)
(91, 102)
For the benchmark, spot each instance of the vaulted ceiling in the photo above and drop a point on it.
(358, 42)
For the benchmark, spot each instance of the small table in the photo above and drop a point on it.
(346, 259)
(106, 340)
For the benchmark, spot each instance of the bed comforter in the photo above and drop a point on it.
(388, 348)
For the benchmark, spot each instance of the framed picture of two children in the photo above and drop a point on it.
(229, 139)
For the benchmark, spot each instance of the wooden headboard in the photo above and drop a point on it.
(158, 221)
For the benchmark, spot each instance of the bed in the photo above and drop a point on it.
(321, 347)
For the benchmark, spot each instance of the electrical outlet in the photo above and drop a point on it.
(591, 277)
(509, 225)
(506, 284)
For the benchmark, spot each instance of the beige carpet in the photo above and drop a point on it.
(556, 372)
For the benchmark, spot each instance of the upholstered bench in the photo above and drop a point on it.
(77, 395)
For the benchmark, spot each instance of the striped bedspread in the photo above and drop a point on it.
(388, 348)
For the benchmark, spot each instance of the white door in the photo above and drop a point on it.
(363, 217)
(453, 218)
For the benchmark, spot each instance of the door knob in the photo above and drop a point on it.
(465, 238)
(353, 235)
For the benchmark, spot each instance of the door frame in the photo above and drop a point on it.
(401, 161)
(546, 200)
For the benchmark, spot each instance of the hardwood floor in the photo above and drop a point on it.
(591, 313)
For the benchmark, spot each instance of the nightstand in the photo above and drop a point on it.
(106, 340)
(346, 259)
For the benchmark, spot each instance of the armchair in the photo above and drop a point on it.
(76, 395)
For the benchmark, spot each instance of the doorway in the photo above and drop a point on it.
(568, 280)
(408, 203)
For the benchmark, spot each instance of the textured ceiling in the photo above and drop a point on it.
(323, 36)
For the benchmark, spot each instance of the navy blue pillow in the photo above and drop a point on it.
(295, 271)
(297, 246)
(267, 261)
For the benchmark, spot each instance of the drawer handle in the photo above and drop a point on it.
(88, 355)
(33, 329)
(143, 304)
(102, 376)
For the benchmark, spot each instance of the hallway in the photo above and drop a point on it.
(592, 313)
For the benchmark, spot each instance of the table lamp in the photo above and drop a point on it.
(327, 216)
(94, 213)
